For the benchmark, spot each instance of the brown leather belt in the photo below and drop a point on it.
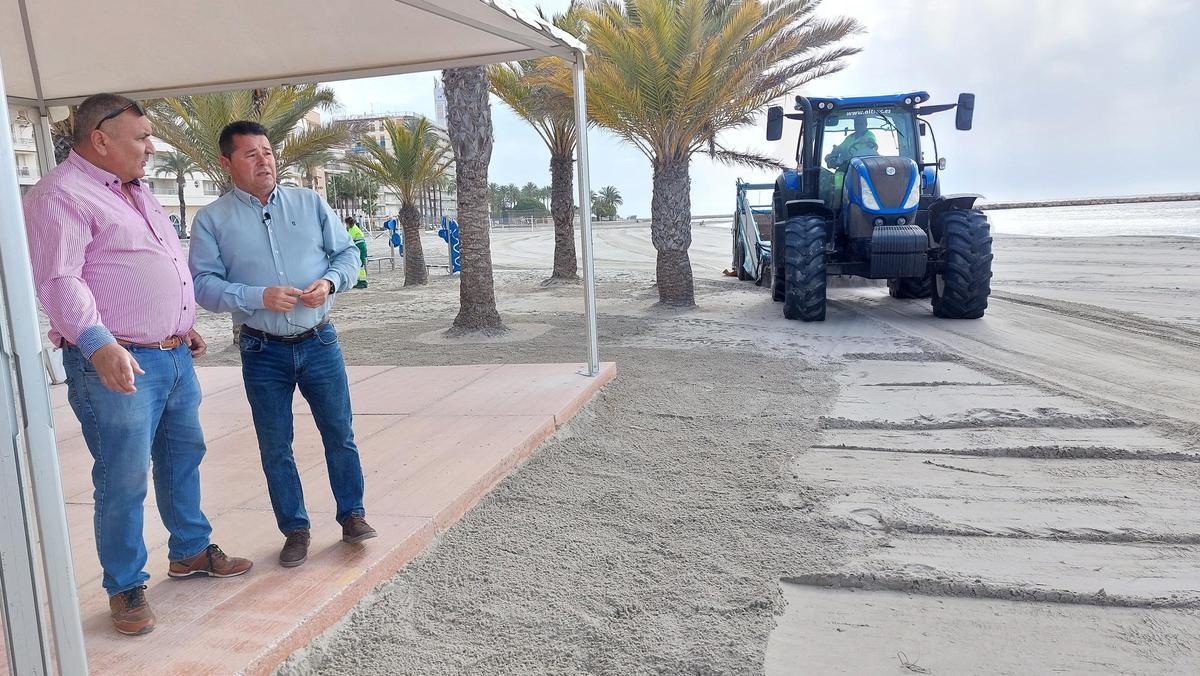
(168, 344)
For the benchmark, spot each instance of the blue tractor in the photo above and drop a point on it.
(864, 201)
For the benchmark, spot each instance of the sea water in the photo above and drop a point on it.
(1141, 219)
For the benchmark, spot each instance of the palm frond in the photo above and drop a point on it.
(193, 124)
(748, 158)
(668, 76)
(414, 158)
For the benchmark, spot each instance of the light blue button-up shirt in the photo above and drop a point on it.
(239, 247)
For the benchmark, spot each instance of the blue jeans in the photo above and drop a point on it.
(124, 432)
(271, 371)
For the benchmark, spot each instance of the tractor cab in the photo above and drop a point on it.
(859, 133)
(836, 131)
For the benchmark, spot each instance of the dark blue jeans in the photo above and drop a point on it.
(272, 371)
(124, 432)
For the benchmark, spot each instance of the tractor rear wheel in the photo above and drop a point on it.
(739, 254)
(910, 287)
(804, 268)
(961, 290)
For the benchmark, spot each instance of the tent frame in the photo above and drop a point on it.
(44, 632)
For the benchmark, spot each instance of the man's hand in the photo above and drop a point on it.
(314, 294)
(116, 368)
(195, 343)
(281, 298)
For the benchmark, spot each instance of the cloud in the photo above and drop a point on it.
(1075, 98)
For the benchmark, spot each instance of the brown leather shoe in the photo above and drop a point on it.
(295, 548)
(131, 614)
(356, 529)
(211, 562)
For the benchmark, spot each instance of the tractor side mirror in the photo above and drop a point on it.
(922, 128)
(941, 164)
(774, 123)
(966, 112)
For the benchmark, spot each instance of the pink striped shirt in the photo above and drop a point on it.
(103, 268)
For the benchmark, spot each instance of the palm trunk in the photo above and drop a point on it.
(415, 272)
(671, 231)
(258, 97)
(469, 125)
(562, 181)
(179, 183)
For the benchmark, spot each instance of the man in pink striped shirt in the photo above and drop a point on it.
(112, 278)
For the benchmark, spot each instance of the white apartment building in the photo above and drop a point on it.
(24, 148)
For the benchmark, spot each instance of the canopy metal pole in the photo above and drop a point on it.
(44, 140)
(585, 215)
(26, 633)
(30, 404)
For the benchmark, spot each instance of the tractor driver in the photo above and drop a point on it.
(860, 143)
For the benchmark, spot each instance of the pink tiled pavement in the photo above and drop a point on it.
(433, 441)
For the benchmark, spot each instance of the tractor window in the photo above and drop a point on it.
(860, 133)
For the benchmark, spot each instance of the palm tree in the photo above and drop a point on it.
(192, 124)
(525, 87)
(414, 159)
(370, 207)
(469, 124)
(176, 165)
(62, 134)
(611, 198)
(336, 192)
(668, 76)
(496, 199)
(310, 165)
(604, 204)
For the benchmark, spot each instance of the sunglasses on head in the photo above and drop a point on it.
(134, 105)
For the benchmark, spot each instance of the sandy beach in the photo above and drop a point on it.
(883, 492)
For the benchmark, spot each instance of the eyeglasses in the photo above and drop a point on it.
(133, 105)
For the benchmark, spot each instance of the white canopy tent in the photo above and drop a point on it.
(57, 52)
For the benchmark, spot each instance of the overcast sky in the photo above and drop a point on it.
(1075, 98)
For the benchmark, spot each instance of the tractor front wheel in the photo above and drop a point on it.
(961, 290)
(804, 268)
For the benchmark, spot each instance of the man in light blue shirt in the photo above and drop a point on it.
(274, 256)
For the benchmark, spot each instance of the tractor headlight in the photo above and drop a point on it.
(868, 195)
(914, 198)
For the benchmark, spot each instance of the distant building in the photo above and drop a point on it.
(25, 149)
(444, 201)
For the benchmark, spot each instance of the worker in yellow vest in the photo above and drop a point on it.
(360, 240)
